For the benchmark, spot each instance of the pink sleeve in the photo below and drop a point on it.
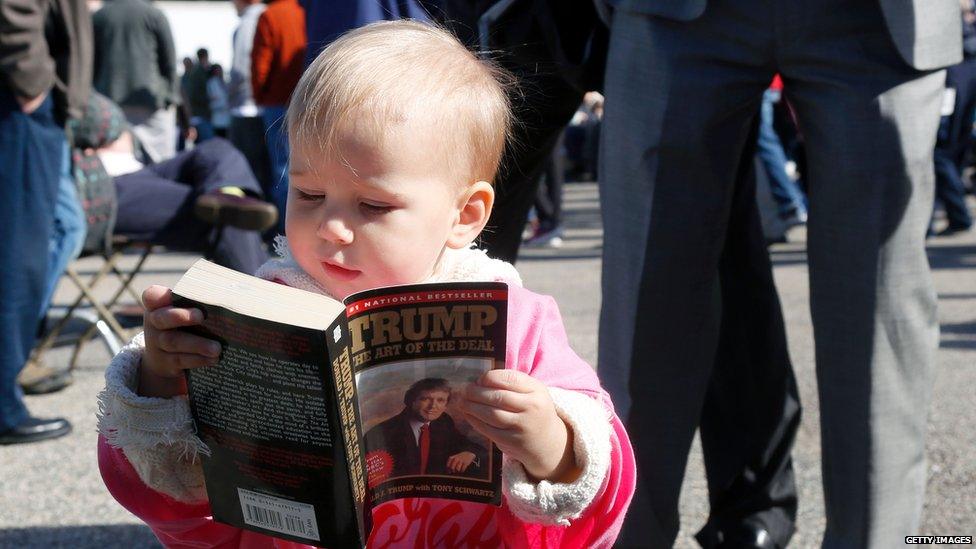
(176, 524)
(537, 345)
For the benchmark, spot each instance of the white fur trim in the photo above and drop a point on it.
(156, 434)
(557, 503)
(472, 264)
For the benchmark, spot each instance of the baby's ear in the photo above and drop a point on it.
(474, 207)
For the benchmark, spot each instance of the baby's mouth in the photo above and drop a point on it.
(339, 272)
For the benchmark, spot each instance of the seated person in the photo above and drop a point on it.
(422, 439)
(172, 203)
(157, 202)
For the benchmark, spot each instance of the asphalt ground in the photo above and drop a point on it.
(51, 494)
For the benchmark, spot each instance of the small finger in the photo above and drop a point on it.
(498, 418)
(157, 296)
(167, 318)
(496, 398)
(175, 341)
(493, 434)
(512, 380)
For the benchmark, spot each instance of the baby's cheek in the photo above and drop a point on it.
(405, 270)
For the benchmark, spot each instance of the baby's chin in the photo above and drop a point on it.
(340, 289)
(343, 289)
(333, 288)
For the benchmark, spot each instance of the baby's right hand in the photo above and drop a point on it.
(169, 350)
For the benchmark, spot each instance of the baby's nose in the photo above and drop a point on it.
(335, 230)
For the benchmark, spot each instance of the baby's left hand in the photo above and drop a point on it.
(515, 411)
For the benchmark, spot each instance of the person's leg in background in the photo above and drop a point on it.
(210, 166)
(157, 203)
(681, 99)
(69, 231)
(951, 192)
(954, 138)
(31, 148)
(67, 239)
(751, 484)
(549, 202)
(543, 116)
(591, 148)
(277, 141)
(204, 129)
(792, 203)
(247, 135)
(870, 123)
(574, 143)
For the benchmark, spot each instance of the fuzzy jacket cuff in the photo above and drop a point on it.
(155, 434)
(557, 503)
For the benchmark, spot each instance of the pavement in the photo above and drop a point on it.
(51, 494)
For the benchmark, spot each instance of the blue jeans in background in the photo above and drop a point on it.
(277, 140)
(31, 154)
(785, 191)
(205, 129)
(68, 231)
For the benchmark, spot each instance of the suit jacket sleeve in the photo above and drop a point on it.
(25, 62)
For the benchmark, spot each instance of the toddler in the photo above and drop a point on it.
(397, 131)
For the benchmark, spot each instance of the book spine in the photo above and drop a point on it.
(344, 386)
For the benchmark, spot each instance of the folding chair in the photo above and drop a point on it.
(96, 191)
(100, 317)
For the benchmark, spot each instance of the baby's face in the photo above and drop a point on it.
(382, 218)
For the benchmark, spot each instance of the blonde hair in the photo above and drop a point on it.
(377, 76)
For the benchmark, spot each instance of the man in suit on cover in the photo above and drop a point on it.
(684, 81)
(422, 439)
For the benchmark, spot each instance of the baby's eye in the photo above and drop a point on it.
(302, 195)
(375, 207)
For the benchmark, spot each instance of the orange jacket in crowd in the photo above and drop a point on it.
(278, 56)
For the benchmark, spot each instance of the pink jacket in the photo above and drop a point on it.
(537, 345)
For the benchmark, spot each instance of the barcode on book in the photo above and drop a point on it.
(277, 514)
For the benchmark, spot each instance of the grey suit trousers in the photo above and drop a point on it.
(680, 98)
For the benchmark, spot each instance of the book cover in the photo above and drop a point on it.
(317, 411)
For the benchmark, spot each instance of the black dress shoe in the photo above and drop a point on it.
(35, 429)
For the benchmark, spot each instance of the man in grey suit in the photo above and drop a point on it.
(684, 81)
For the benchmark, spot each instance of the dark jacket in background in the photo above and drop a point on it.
(325, 21)
(46, 45)
(135, 61)
(557, 51)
